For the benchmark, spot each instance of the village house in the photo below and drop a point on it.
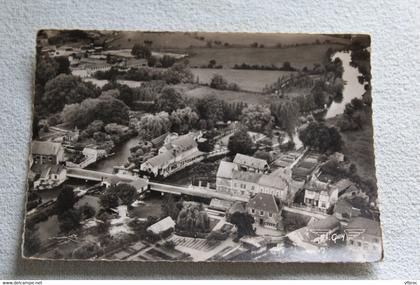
(230, 180)
(323, 195)
(364, 234)
(316, 234)
(173, 156)
(344, 210)
(265, 210)
(249, 163)
(47, 152)
(50, 176)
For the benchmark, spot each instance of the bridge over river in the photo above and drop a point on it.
(196, 191)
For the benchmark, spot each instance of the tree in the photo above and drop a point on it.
(244, 222)
(183, 120)
(263, 155)
(193, 219)
(286, 115)
(63, 64)
(69, 220)
(178, 73)
(141, 51)
(211, 109)
(87, 212)
(125, 93)
(152, 61)
(126, 193)
(320, 137)
(109, 200)
(151, 126)
(66, 89)
(167, 61)
(169, 100)
(171, 207)
(218, 82)
(241, 142)
(257, 118)
(105, 108)
(65, 199)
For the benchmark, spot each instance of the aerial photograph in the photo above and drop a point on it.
(195, 146)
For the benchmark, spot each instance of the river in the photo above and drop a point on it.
(352, 89)
(120, 157)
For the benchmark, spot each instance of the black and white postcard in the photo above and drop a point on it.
(193, 146)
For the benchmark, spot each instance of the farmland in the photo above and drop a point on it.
(197, 91)
(126, 39)
(249, 80)
(299, 57)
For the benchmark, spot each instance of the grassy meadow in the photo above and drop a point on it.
(249, 80)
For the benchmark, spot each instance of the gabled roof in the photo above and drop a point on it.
(246, 176)
(273, 180)
(160, 159)
(184, 142)
(162, 225)
(40, 168)
(370, 227)
(158, 141)
(328, 223)
(225, 169)
(45, 148)
(264, 202)
(343, 184)
(250, 161)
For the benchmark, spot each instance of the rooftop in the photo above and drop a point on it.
(265, 202)
(162, 225)
(328, 223)
(273, 180)
(225, 169)
(370, 227)
(250, 161)
(45, 148)
(246, 176)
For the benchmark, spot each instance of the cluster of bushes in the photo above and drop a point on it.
(286, 67)
(175, 74)
(220, 83)
(354, 117)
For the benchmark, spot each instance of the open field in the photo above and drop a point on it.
(298, 57)
(126, 39)
(250, 80)
(197, 91)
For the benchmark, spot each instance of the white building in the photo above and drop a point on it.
(173, 156)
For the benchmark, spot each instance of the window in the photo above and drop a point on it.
(270, 215)
(261, 213)
(323, 205)
(253, 210)
(359, 243)
(376, 240)
(252, 187)
(243, 192)
(351, 242)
